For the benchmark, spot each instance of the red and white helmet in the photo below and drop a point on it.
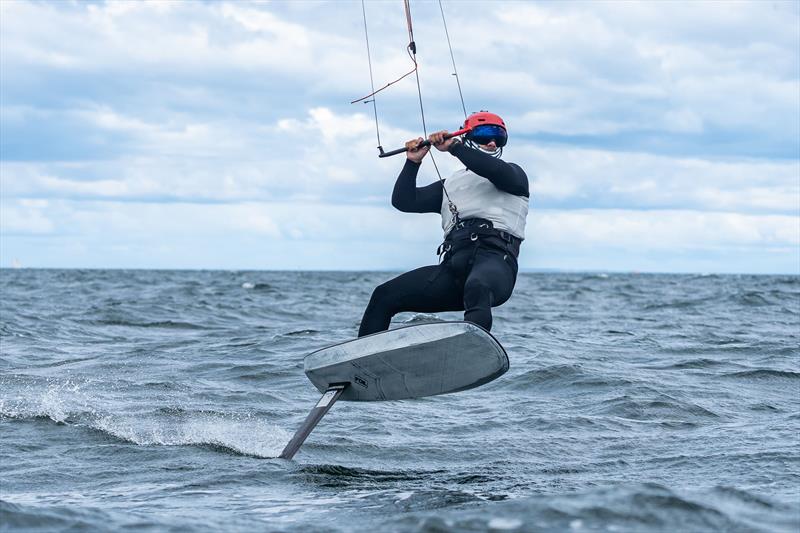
(485, 128)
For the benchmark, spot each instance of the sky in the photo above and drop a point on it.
(657, 136)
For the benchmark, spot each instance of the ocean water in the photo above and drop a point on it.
(158, 400)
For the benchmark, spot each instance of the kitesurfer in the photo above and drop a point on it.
(483, 209)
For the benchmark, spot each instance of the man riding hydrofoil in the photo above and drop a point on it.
(483, 209)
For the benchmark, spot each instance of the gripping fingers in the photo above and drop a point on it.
(413, 144)
(439, 140)
(414, 152)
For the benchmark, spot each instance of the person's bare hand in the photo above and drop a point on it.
(416, 154)
(438, 140)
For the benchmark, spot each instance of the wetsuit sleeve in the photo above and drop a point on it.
(508, 177)
(409, 198)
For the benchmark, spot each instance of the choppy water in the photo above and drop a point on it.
(158, 400)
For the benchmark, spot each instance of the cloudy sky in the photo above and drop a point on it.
(659, 136)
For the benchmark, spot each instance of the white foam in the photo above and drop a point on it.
(504, 523)
(58, 401)
(423, 317)
(79, 403)
(243, 434)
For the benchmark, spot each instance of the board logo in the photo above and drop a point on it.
(360, 381)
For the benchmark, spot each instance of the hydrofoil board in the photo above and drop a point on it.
(407, 362)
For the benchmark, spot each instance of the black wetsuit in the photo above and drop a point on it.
(479, 268)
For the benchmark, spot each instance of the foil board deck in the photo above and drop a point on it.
(407, 362)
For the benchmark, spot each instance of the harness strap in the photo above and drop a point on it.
(474, 230)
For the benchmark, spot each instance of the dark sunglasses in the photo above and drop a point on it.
(486, 133)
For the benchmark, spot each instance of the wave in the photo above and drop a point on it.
(661, 408)
(69, 404)
(231, 434)
(345, 474)
(763, 374)
(60, 402)
(422, 318)
(563, 376)
(642, 507)
(702, 362)
(243, 436)
(18, 516)
(249, 285)
(165, 324)
(751, 299)
(300, 333)
(678, 304)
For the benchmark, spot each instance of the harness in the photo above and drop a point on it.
(476, 232)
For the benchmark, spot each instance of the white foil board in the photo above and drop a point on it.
(409, 362)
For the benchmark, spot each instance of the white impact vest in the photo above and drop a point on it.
(477, 197)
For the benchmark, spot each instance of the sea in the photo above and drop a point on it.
(146, 400)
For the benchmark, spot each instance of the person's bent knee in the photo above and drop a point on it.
(381, 294)
(379, 311)
(498, 301)
(477, 292)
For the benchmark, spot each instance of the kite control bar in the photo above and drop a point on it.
(423, 144)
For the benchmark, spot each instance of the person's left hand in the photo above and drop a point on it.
(437, 139)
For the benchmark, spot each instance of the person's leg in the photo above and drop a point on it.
(489, 284)
(428, 289)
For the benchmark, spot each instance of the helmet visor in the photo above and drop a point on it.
(486, 133)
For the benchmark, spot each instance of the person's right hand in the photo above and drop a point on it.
(414, 154)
